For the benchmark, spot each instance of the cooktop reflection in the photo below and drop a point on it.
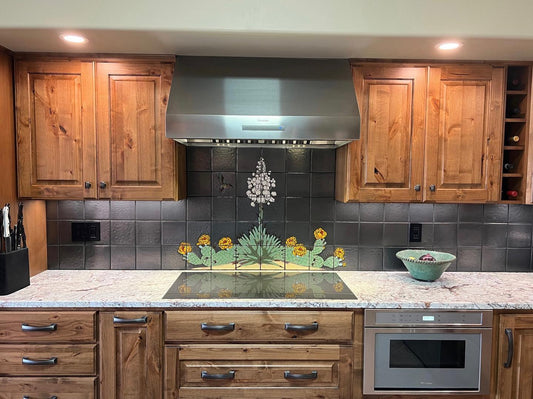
(268, 285)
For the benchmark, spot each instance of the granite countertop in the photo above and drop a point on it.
(146, 288)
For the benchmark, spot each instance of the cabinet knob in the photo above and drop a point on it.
(103, 184)
(88, 184)
(432, 188)
(417, 187)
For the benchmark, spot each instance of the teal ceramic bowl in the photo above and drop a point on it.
(425, 270)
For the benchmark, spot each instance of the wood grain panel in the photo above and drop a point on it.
(516, 382)
(255, 393)
(71, 360)
(463, 144)
(130, 356)
(70, 327)
(35, 228)
(256, 326)
(136, 160)
(387, 162)
(55, 129)
(46, 387)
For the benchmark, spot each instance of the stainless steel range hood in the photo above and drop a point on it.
(262, 101)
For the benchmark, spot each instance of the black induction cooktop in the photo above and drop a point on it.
(267, 285)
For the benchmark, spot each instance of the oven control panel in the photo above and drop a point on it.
(419, 318)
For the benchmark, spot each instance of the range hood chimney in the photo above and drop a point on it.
(262, 101)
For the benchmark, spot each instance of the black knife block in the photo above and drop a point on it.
(14, 271)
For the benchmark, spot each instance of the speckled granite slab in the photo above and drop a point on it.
(146, 288)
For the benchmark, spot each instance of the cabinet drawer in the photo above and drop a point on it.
(249, 326)
(47, 327)
(39, 387)
(48, 360)
(303, 371)
(254, 393)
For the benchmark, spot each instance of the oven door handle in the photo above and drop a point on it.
(510, 347)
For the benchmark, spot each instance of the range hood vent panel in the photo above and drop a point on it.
(254, 99)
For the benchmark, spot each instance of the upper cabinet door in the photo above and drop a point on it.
(135, 159)
(464, 139)
(55, 129)
(386, 164)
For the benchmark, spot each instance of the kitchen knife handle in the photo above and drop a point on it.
(28, 327)
(309, 327)
(230, 375)
(140, 320)
(510, 348)
(313, 375)
(223, 327)
(39, 362)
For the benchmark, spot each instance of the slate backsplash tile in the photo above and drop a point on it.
(122, 210)
(148, 210)
(146, 234)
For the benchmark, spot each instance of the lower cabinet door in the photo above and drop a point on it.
(258, 371)
(130, 355)
(47, 387)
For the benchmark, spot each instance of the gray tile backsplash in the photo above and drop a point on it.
(146, 234)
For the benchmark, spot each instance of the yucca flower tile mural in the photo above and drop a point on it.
(258, 249)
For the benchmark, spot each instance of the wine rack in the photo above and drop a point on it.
(516, 134)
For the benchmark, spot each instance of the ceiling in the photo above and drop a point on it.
(406, 29)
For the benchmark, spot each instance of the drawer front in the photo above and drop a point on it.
(39, 387)
(234, 373)
(314, 371)
(48, 360)
(250, 326)
(47, 327)
(255, 393)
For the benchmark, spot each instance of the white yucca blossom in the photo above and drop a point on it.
(260, 185)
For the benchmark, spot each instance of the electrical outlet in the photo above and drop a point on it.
(85, 231)
(415, 232)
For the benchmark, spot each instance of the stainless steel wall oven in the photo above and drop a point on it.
(427, 351)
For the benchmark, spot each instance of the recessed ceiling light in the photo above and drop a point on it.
(73, 38)
(449, 45)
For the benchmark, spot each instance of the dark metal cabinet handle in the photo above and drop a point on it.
(27, 397)
(417, 187)
(140, 320)
(313, 375)
(103, 184)
(88, 185)
(510, 349)
(230, 375)
(432, 188)
(294, 327)
(39, 362)
(28, 327)
(223, 327)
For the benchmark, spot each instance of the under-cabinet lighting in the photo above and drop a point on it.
(73, 38)
(449, 45)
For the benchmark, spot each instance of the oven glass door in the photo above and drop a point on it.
(430, 361)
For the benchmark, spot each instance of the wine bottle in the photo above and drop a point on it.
(514, 84)
(513, 139)
(514, 112)
(508, 166)
(511, 194)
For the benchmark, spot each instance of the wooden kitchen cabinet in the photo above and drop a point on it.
(131, 346)
(464, 136)
(48, 354)
(427, 134)
(386, 164)
(262, 354)
(515, 357)
(56, 137)
(96, 129)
